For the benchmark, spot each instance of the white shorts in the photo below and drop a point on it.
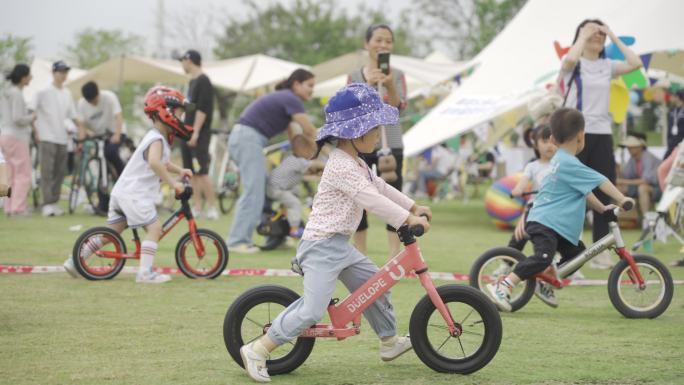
(136, 212)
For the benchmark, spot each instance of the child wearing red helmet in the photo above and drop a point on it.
(132, 198)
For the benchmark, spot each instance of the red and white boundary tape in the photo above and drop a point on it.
(12, 269)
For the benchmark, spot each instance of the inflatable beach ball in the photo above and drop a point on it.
(501, 208)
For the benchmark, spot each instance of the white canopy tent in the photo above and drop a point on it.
(41, 70)
(248, 73)
(420, 73)
(521, 60)
(115, 71)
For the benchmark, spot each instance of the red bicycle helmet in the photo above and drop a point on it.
(162, 101)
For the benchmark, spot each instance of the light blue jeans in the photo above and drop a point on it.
(246, 146)
(323, 262)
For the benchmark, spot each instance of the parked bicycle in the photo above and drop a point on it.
(200, 253)
(454, 328)
(94, 174)
(224, 173)
(639, 286)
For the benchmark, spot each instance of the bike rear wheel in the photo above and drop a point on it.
(229, 190)
(86, 259)
(215, 258)
(481, 331)
(496, 264)
(248, 318)
(635, 302)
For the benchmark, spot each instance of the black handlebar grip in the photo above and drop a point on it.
(417, 230)
(628, 205)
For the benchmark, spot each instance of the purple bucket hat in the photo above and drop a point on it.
(355, 110)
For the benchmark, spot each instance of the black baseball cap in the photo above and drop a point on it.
(60, 66)
(193, 56)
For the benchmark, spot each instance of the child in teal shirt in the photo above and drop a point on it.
(555, 221)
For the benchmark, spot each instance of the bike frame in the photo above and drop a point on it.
(612, 239)
(351, 308)
(184, 212)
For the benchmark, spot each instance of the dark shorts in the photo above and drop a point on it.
(633, 192)
(199, 152)
(372, 159)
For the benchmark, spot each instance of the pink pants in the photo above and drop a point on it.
(18, 164)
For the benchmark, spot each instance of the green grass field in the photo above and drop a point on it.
(59, 330)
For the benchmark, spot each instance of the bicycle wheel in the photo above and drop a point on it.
(92, 266)
(248, 318)
(215, 258)
(495, 264)
(91, 177)
(73, 193)
(481, 328)
(635, 302)
(229, 192)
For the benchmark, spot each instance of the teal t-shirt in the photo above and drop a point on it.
(561, 202)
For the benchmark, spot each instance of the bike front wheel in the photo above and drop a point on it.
(474, 348)
(211, 264)
(633, 301)
(85, 254)
(494, 265)
(251, 315)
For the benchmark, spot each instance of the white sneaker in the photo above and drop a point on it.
(152, 277)
(48, 210)
(254, 364)
(70, 268)
(576, 276)
(501, 296)
(544, 292)
(601, 261)
(57, 211)
(212, 214)
(244, 248)
(503, 270)
(395, 347)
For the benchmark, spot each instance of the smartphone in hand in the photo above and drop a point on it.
(383, 62)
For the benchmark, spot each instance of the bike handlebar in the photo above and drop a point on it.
(94, 138)
(418, 230)
(524, 194)
(187, 190)
(628, 205)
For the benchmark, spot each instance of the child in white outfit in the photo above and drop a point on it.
(347, 187)
(132, 198)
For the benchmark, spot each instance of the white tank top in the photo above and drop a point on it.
(138, 180)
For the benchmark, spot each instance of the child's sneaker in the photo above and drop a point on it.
(212, 214)
(254, 363)
(70, 268)
(394, 347)
(152, 277)
(501, 294)
(544, 292)
(297, 232)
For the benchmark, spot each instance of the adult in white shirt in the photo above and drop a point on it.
(15, 136)
(99, 112)
(54, 110)
(585, 79)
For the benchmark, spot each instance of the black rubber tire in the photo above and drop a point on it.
(117, 242)
(511, 254)
(493, 330)
(238, 310)
(218, 244)
(663, 300)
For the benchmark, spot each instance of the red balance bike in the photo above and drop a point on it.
(454, 328)
(200, 253)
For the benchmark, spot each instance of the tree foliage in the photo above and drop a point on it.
(94, 46)
(465, 27)
(305, 31)
(13, 50)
